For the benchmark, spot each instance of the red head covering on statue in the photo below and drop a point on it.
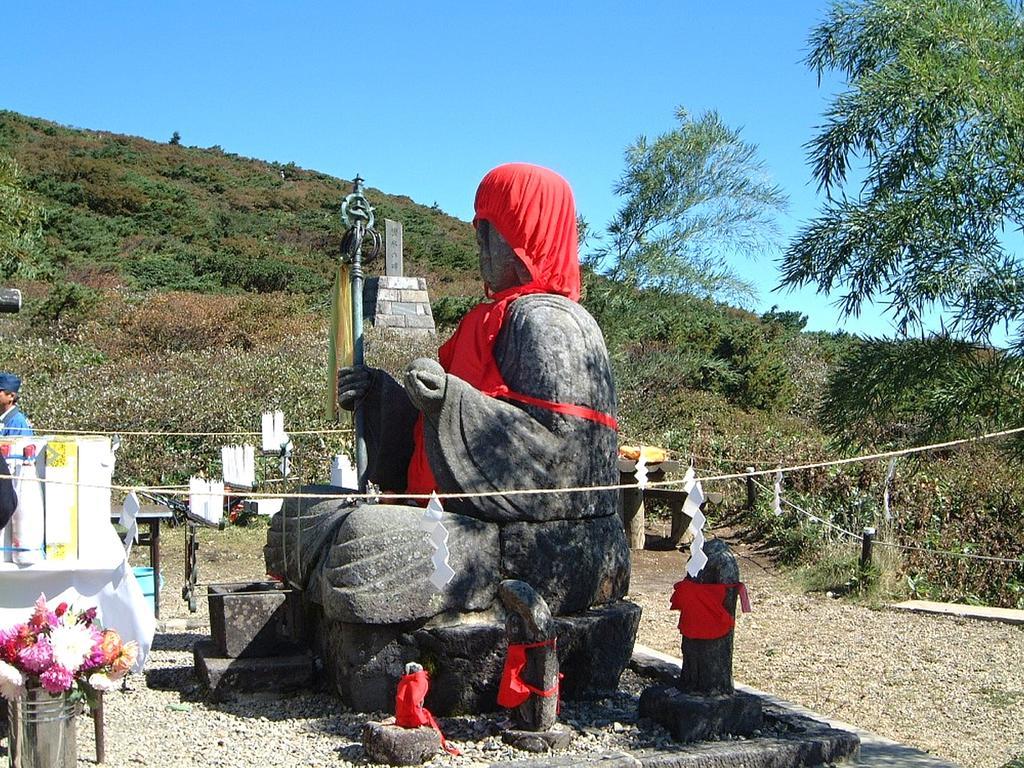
(533, 209)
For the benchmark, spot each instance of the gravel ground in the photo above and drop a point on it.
(949, 686)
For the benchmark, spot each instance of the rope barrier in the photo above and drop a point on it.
(1013, 560)
(811, 515)
(610, 487)
(136, 433)
(878, 542)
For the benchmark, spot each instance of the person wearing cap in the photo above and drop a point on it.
(12, 421)
(8, 498)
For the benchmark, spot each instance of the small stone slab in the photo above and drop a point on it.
(981, 612)
(694, 717)
(558, 737)
(270, 674)
(391, 744)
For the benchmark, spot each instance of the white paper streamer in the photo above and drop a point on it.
(274, 436)
(641, 471)
(694, 499)
(206, 499)
(437, 535)
(129, 513)
(777, 499)
(238, 463)
(343, 474)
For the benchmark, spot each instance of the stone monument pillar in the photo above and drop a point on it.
(394, 301)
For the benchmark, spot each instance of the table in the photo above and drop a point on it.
(150, 516)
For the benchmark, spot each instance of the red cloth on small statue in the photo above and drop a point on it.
(409, 709)
(513, 690)
(702, 612)
(533, 209)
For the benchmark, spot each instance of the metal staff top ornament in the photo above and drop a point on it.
(346, 342)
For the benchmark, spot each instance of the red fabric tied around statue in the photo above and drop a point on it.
(409, 709)
(513, 690)
(702, 613)
(533, 209)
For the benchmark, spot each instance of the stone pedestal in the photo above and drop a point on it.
(389, 744)
(555, 738)
(400, 304)
(692, 717)
(256, 641)
(364, 662)
(261, 618)
(223, 677)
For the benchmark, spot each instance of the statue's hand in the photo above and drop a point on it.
(425, 382)
(354, 382)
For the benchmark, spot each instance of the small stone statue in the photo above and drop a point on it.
(529, 683)
(704, 704)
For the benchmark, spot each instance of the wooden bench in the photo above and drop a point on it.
(632, 501)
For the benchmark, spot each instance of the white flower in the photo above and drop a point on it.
(72, 645)
(102, 682)
(12, 682)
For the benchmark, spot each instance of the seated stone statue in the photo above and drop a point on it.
(522, 399)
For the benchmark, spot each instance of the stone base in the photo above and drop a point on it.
(538, 741)
(390, 744)
(223, 677)
(691, 717)
(465, 661)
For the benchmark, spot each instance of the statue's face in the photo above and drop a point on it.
(500, 268)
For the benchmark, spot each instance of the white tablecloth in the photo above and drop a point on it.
(104, 580)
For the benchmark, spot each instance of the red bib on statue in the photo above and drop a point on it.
(702, 611)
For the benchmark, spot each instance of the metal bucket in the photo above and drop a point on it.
(42, 730)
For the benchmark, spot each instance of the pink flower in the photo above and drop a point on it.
(97, 658)
(36, 658)
(57, 679)
(42, 617)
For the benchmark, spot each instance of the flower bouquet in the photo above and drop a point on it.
(62, 651)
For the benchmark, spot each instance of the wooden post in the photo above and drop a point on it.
(10, 300)
(751, 490)
(866, 539)
(97, 724)
(393, 261)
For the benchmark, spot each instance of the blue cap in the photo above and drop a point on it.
(9, 382)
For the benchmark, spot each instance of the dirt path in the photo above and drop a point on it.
(949, 686)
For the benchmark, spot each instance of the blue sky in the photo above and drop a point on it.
(423, 98)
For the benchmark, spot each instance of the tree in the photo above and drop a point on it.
(921, 162)
(20, 222)
(175, 139)
(935, 109)
(693, 197)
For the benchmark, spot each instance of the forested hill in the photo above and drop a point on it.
(169, 216)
